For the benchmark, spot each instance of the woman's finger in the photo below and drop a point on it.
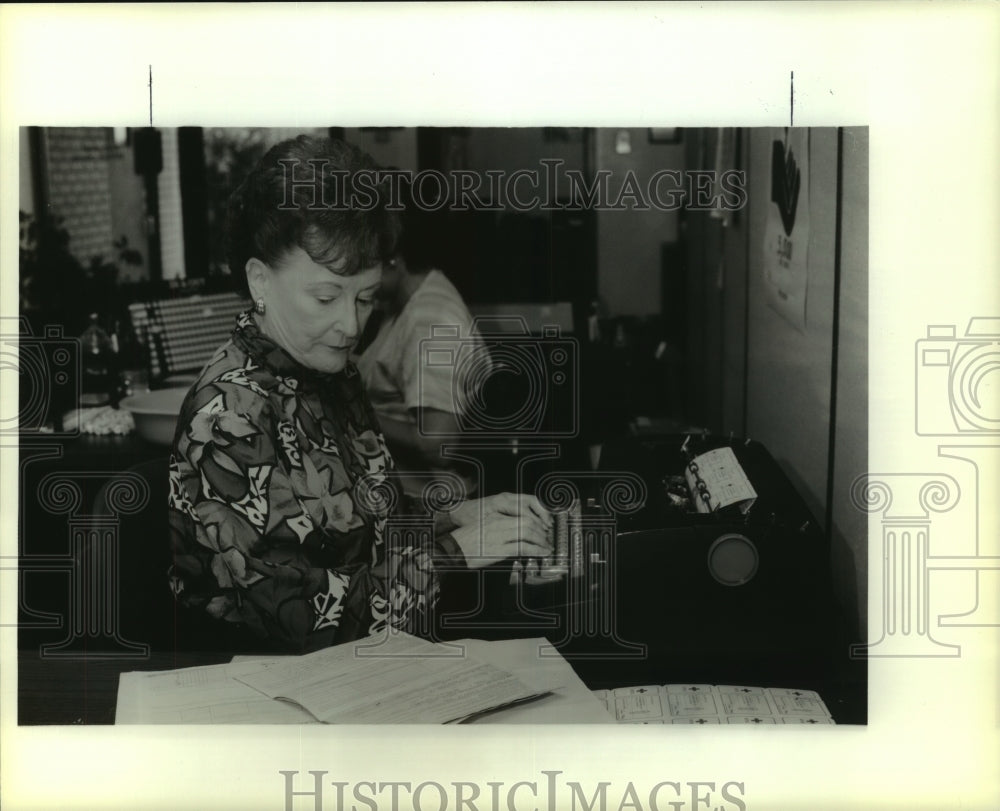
(527, 549)
(522, 504)
(521, 526)
(505, 503)
(535, 506)
(535, 534)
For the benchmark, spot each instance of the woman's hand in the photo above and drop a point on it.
(496, 528)
(503, 504)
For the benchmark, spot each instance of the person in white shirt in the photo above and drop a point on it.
(420, 405)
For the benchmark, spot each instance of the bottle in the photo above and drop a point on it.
(133, 360)
(97, 361)
(593, 323)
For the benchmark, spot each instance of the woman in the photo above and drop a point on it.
(278, 515)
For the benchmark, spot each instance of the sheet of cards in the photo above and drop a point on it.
(714, 704)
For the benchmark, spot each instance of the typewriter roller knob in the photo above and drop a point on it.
(732, 559)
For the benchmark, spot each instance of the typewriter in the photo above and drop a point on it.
(715, 569)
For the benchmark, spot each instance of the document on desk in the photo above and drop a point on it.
(538, 665)
(201, 695)
(714, 704)
(396, 679)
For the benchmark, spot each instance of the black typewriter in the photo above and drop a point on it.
(688, 556)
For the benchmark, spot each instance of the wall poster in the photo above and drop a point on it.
(786, 238)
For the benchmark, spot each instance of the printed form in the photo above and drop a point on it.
(201, 695)
(399, 679)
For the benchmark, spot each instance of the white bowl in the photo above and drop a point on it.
(155, 413)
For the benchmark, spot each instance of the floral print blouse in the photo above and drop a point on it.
(278, 511)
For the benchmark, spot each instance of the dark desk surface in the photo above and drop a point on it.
(107, 452)
(84, 691)
(56, 690)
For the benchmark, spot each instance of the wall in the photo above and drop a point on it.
(849, 526)
(26, 194)
(128, 210)
(516, 249)
(796, 381)
(712, 260)
(168, 189)
(629, 243)
(789, 372)
(388, 147)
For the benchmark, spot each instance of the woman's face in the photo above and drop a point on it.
(312, 313)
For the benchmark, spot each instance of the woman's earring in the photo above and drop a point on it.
(259, 307)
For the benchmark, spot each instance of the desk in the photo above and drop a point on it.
(83, 690)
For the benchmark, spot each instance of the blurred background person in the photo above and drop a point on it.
(420, 405)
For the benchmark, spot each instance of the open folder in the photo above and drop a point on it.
(394, 678)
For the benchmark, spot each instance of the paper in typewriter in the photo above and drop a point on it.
(398, 679)
(716, 480)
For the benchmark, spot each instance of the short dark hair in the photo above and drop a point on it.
(283, 204)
